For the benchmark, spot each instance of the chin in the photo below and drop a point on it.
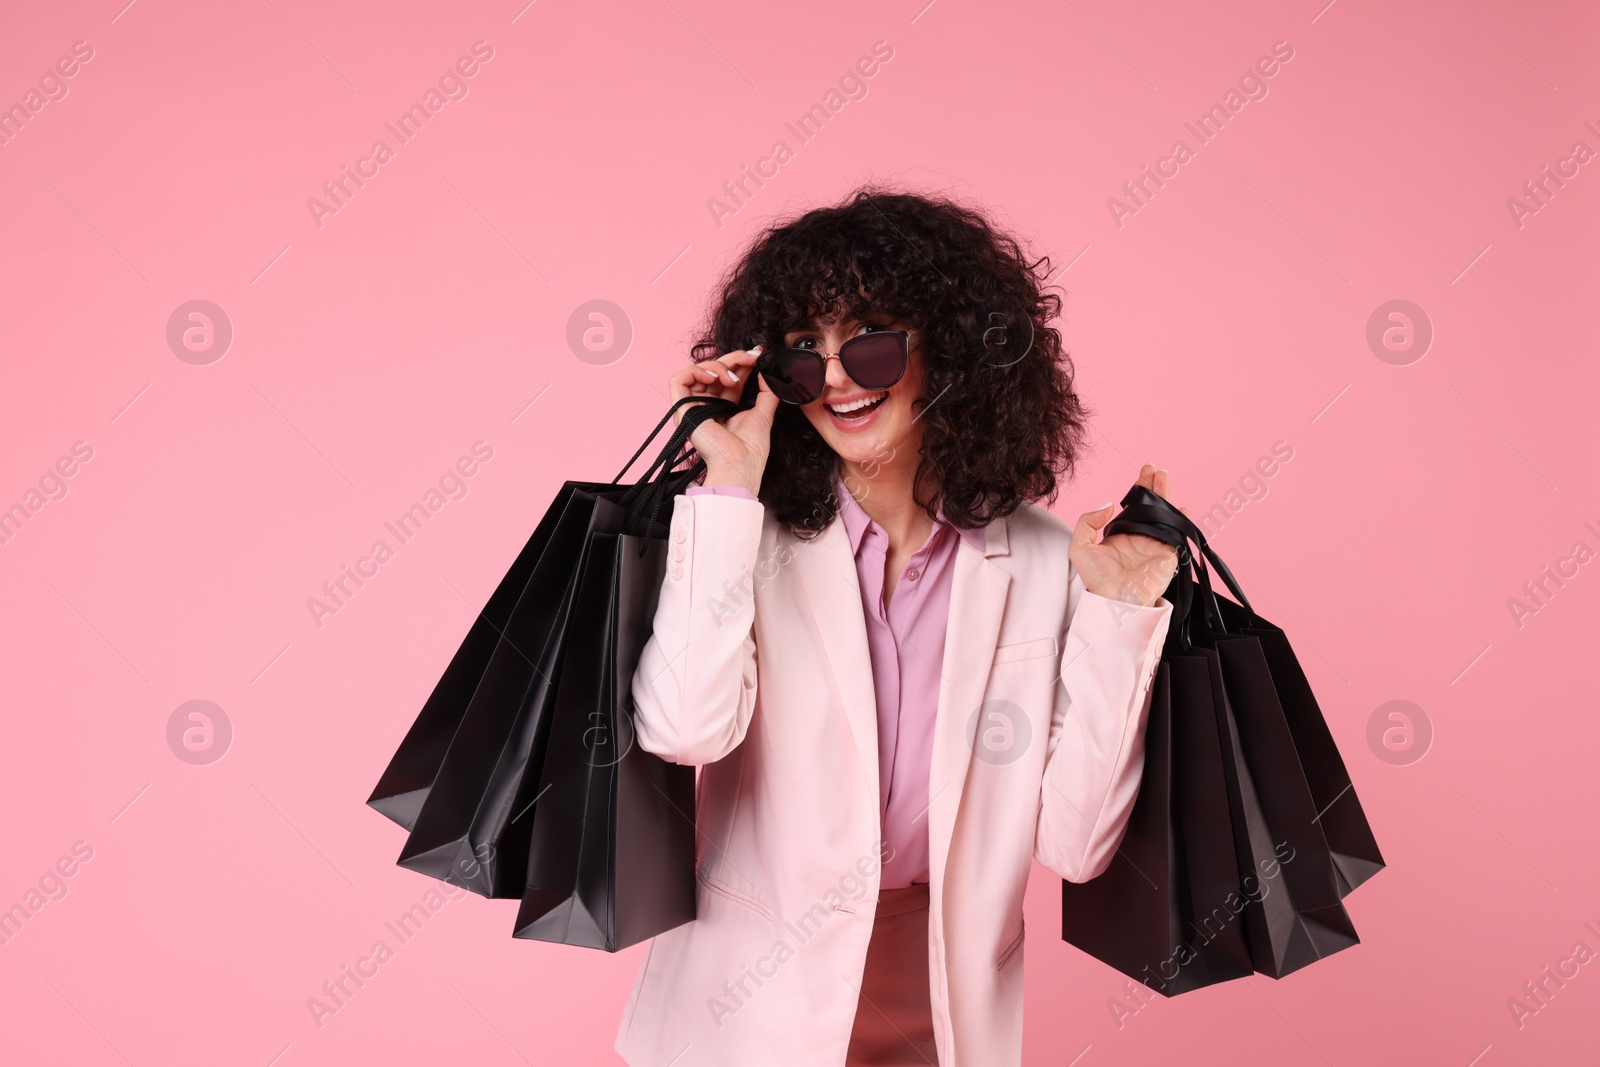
(873, 444)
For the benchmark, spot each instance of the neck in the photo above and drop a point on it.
(884, 492)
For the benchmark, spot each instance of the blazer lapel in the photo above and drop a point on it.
(833, 591)
(977, 603)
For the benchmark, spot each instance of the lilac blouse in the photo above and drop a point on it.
(906, 641)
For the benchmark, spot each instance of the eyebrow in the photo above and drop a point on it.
(846, 319)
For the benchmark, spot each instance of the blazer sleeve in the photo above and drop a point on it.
(694, 689)
(1095, 755)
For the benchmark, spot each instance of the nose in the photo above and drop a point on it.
(838, 381)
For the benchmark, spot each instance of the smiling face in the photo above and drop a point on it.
(881, 431)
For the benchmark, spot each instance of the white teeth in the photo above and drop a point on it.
(845, 409)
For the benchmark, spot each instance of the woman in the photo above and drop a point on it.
(903, 679)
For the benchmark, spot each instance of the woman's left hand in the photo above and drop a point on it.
(1132, 568)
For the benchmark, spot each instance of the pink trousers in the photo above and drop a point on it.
(894, 1019)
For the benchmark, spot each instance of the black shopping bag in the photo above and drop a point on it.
(1221, 672)
(473, 828)
(1344, 825)
(612, 857)
(1164, 911)
(469, 795)
(611, 861)
(404, 786)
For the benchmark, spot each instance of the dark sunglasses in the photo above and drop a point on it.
(873, 361)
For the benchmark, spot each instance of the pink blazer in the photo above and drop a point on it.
(758, 671)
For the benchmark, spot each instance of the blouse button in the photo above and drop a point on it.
(911, 575)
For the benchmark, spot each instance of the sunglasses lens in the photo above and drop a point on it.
(875, 361)
(795, 375)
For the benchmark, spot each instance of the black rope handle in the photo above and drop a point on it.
(652, 435)
(671, 454)
(650, 494)
(660, 499)
(661, 480)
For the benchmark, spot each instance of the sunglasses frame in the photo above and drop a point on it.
(770, 360)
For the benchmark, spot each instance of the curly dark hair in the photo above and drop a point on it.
(1003, 420)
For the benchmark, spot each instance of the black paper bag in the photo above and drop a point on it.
(404, 786)
(1167, 910)
(1232, 716)
(612, 858)
(466, 781)
(474, 827)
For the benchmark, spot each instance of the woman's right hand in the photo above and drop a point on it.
(736, 450)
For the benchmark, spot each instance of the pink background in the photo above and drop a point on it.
(1229, 313)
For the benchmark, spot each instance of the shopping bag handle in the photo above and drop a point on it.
(691, 421)
(1148, 513)
(660, 480)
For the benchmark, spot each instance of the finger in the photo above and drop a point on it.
(744, 357)
(695, 377)
(1147, 475)
(766, 399)
(1090, 523)
(685, 375)
(677, 389)
(719, 371)
(693, 380)
(708, 438)
(1158, 483)
(745, 362)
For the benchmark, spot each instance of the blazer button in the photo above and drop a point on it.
(681, 535)
(677, 572)
(677, 553)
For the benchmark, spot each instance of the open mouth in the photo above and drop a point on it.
(858, 410)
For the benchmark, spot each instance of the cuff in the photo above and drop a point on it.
(1117, 620)
(721, 490)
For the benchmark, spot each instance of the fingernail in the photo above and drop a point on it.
(757, 350)
(732, 375)
(1107, 504)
